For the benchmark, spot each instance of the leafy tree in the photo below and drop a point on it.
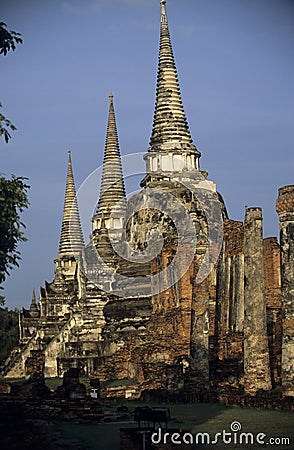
(13, 192)
(8, 41)
(5, 124)
(8, 331)
(13, 200)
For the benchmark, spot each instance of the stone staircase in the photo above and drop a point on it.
(13, 365)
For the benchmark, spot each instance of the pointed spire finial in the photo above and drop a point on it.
(170, 127)
(33, 297)
(34, 312)
(163, 11)
(71, 238)
(112, 188)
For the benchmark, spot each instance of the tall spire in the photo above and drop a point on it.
(170, 128)
(112, 184)
(34, 312)
(71, 238)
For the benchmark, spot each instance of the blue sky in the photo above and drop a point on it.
(235, 60)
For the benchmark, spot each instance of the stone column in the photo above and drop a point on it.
(285, 210)
(256, 353)
(223, 291)
(273, 295)
(200, 336)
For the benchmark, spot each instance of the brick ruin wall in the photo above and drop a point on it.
(194, 335)
(227, 360)
(273, 294)
(285, 210)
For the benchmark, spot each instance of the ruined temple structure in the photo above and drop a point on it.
(223, 324)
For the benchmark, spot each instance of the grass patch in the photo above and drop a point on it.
(209, 418)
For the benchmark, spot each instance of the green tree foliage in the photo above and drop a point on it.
(13, 200)
(13, 192)
(5, 124)
(8, 331)
(8, 41)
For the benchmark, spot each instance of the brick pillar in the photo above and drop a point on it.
(285, 210)
(256, 353)
(223, 291)
(200, 336)
(273, 295)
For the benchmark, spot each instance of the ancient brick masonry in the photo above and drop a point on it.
(202, 310)
(273, 295)
(226, 361)
(256, 354)
(285, 210)
(35, 365)
(231, 334)
(231, 279)
(170, 324)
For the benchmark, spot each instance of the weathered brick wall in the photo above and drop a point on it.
(285, 210)
(200, 334)
(230, 285)
(168, 332)
(227, 367)
(256, 353)
(226, 363)
(35, 365)
(272, 272)
(273, 294)
(192, 334)
(234, 237)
